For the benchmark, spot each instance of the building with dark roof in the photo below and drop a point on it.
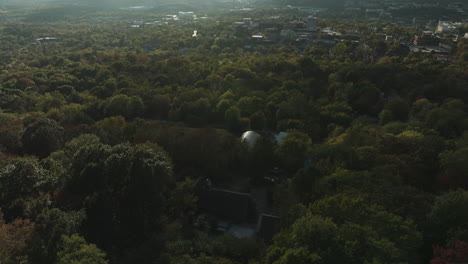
(267, 226)
(235, 212)
(426, 39)
(227, 205)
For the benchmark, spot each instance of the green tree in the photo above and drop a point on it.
(117, 105)
(51, 100)
(114, 128)
(292, 150)
(123, 188)
(20, 181)
(158, 106)
(386, 116)
(398, 108)
(389, 237)
(232, 118)
(75, 250)
(454, 165)
(345, 229)
(448, 216)
(298, 256)
(258, 121)
(305, 181)
(43, 137)
(10, 134)
(340, 50)
(14, 239)
(135, 107)
(249, 105)
(183, 203)
(50, 226)
(310, 238)
(74, 114)
(450, 119)
(363, 96)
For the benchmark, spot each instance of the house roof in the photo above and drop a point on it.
(226, 204)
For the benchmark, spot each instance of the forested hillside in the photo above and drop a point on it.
(109, 126)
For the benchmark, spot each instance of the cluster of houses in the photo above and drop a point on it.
(235, 210)
(439, 41)
(180, 17)
(303, 32)
(299, 32)
(394, 10)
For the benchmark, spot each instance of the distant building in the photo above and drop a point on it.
(170, 17)
(234, 212)
(311, 23)
(427, 38)
(138, 23)
(312, 10)
(272, 33)
(238, 24)
(287, 33)
(250, 137)
(247, 23)
(227, 205)
(47, 39)
(330, 32)
(257, 37)
(295, 24)
(429, 49)
(269, 25)
(186, 15)
(268, 226)
(446, 27)
(280, 136)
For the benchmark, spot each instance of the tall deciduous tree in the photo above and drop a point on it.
(232, 117)
(449, 215)
(75, 250)
(43, 137)
(14, 238)
(50, 226)
(292, 150)
(22, 180)
(123, 189)
(345, 229)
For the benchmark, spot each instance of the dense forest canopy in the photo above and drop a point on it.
(119, 129)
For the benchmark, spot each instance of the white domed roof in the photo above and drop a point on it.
(250, 137)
